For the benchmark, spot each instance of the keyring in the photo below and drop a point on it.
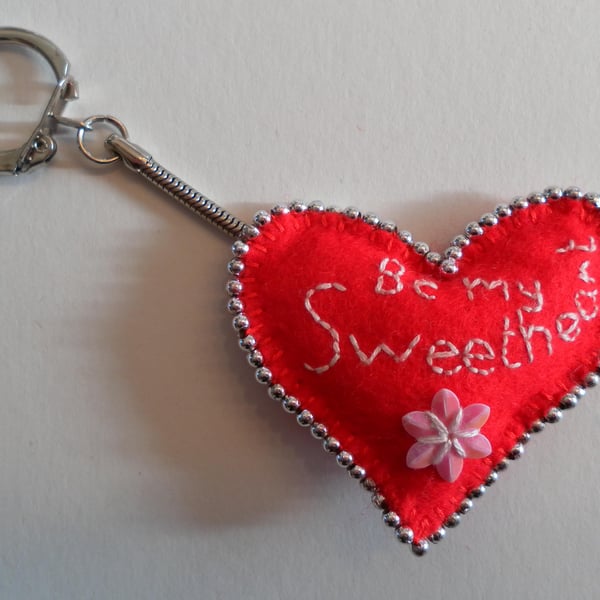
(88, 125)
(422, 383)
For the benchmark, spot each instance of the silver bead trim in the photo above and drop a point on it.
(447, 264)
(379, 501)
(519, 203)
(574, 193)
(553, 193)
(239, 248)
(235, 306)
(277, 392)
(421, 248)
(234, 287)
(438, 536)
(291, 404)
(391, 519)
(240, 322)
(263, 375)
(536, 198)
(488, 220)
(250, 232)
(516, 452)
(357, 472)
(420, 548)
(248, 343)
(316, 206)
(368, 484)
(371, 219)
(503, 210)
(331, 445)
(405, 535)
(298, 207)
(345, 459)
(433, 257)
(261, 218)
(453, 520)
(465, 506)
(255, 359)
(319, 431)
(305, 418)
(235, 266)
(280, 210)
(406, 237)
(352, 213)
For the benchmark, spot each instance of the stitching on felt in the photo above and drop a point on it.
(395, 275)
(432, 354)
(501, 233)
(419, 283)
(580, 309)
(535, 295)
(332, 332)
(507, 333)
(368, 360)
(527, 333)
(468, 355)
(572, 332)
(583, 272)
(571, 246)
(488, 285)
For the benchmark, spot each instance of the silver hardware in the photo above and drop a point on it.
(41, 146)
(391, 519)
(140, 161)
(88, 125)
(405, 535)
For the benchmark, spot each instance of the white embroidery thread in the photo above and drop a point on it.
(570, 247)
(468, 356)
(535, 295)
(432, 354)
(527, 333)
(583, 272)
(395, 275)
(368, 360)
(335, 336)
(585, 315)
(419, 283)
(507, 333)
(488, 285)
(571, 333)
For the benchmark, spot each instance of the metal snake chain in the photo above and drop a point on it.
(140, 161)
(40, 146)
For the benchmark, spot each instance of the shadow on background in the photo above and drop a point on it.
(220, 441)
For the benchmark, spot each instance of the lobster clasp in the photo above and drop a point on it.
(41, 146)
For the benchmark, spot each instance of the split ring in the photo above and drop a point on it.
(88, 125)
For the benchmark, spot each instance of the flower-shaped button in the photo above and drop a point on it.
(446, 435)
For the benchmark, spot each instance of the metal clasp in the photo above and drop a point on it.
(41, 146)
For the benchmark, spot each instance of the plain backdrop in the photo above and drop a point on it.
(138, 458)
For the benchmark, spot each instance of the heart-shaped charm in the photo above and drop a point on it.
(424, 374)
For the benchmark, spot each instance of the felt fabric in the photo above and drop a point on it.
(514, 329)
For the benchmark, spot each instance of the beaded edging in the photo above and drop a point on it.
(448, 262)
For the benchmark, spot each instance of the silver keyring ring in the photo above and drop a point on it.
(88, 125)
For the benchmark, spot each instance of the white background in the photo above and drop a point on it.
(138, 459)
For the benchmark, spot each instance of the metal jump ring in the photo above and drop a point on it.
(88, 125)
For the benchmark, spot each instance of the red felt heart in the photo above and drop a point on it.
(362, 330)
